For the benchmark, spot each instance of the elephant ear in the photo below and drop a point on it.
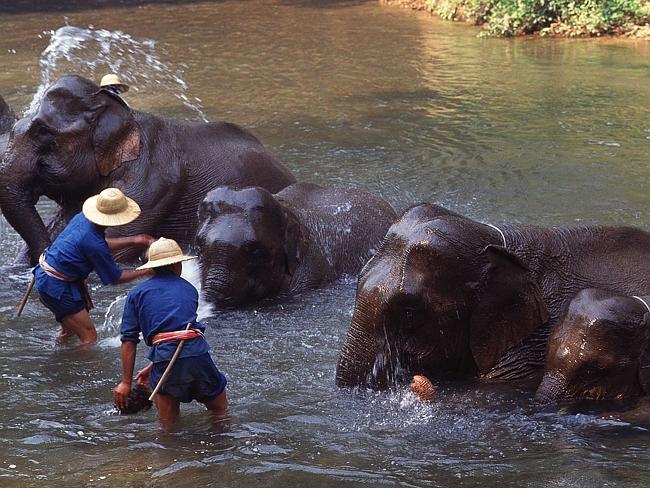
(509, 308)
(116, 135)
(292, 238)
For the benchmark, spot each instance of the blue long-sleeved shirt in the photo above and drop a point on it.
(79, 248)
(164, 303)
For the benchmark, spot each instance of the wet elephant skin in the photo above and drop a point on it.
(445, 296)
(83, 139)
(598, 350)
(254, 244)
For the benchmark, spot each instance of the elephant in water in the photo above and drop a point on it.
(254, 244)
(599, 349)
(84, 139)
(448, 296)
(7, 119)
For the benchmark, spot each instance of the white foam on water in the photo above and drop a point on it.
(92, 53)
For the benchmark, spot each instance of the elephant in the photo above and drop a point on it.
(83, 139)
(7, 119)
(598, 350)
(253, 244)
(446, 296)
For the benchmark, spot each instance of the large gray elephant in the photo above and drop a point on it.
(83, 139)
(254, 244)
(599, 349)
(448, 296)
(7, 119)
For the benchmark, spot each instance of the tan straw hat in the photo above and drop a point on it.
(110, 208)
(114, 80)
(164, 252)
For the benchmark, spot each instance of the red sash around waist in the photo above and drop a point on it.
(176, 335)
(54, 273)
(50, 271)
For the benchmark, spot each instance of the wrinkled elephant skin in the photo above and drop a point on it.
(83, 139)
(598, 350)
(447, 296)
(254, 244)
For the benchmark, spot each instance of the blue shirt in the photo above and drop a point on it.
(164, 303)
(79, 248)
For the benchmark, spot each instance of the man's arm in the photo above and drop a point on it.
(140, 240)
(123, 389)
(127, 275)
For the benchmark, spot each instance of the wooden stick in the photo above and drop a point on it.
(23, 302)
(168, 369)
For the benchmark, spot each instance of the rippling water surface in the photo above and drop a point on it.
(355, 94)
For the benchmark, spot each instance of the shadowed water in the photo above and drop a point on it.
(354, 94)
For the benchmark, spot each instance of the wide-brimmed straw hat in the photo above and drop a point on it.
(114, 80)
(164, 252)
(110, 208)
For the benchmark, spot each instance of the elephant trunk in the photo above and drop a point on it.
(358, 356)
(551, 389)
(19, 193)
(7, 117)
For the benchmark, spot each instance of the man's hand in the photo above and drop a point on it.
(145, 240)
(121, 395)
(144, 375)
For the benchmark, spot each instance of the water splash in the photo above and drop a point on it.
(94, 52)
(192, 273)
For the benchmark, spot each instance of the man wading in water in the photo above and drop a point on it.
(163, 308)
(81, 247)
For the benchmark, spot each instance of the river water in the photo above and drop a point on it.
(360, 95)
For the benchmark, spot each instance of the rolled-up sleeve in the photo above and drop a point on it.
(100, 256)
(130, 328)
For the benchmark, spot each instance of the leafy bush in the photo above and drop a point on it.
(566, 17)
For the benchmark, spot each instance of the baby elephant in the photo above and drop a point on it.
(599, 349)
(254, 244)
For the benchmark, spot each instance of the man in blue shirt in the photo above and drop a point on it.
(164, 308)
(79, 249)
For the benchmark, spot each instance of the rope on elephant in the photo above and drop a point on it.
(503, 236)
(642, 301)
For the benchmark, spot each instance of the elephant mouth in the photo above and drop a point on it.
(232, 295)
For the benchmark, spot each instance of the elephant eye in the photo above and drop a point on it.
(43, 136)
(256, 254)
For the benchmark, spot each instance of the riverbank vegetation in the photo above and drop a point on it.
(571, 18)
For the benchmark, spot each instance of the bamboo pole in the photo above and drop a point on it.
(168, 369)
(23, 302)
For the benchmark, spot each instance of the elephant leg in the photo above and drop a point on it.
(54, 228)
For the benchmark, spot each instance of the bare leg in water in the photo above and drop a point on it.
(218, 408)
(79, 324)
(168, 410)
(64, 335)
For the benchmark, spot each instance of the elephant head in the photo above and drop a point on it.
(442, 296)
(79, 135)
(249, 245)
(596, 350)
(7, 117)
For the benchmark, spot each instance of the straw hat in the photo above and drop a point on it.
(113, 80)
(164, 252)
(110, 208)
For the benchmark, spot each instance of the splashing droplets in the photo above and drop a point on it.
(94, 52)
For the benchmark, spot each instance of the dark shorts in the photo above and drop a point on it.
(195, 378)
(62, 307)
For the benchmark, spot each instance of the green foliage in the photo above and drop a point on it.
(566, 17)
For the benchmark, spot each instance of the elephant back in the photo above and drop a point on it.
(347, 225)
